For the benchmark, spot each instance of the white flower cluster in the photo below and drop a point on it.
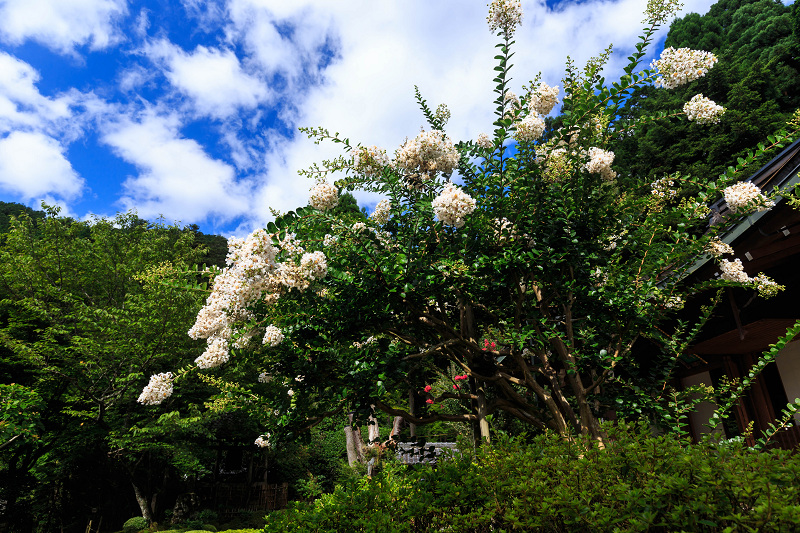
(370, 341)
(600, 163)
(679, 66)
(452, 205)
(273, 336)
(158, 390)
(216, 352)
(717, 248)
(426, 154)
(314, 265)
(381, 213)
(324, 196)
(442, 114)
(371, 160)
(252, 274)
(746, 195)
(505, 15)
(262, 442)
(543, 99)
(530, 128)
(358, 227)
(663, 188)
(733, 271)
(484, 141)
(765, 286)
(703, 110)
(329, 240)
(264, 377)
(674, 302)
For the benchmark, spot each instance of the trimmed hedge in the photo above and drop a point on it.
(132, 525)
(638, 483)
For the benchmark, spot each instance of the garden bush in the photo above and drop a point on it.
(639, 482)
(132, 525)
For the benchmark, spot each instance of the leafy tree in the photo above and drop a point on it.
(521, 291)
(86, 314)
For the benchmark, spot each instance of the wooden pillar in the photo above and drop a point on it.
(742, 418)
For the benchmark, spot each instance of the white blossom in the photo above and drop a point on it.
(264, 377)
(543, 99)
(703, 110)
(530, 128)
(452, 205)
(744, 195)
(679, 66)
(674, 302)
(663, 187)
(426, 155)
(216, 352)
(484, 141)
(381, 213)
(717, 248)
(733, 271)
(505, 15)
(329, 240)
(314, 265)
(600, 163)
(358, 227)
(324, 196)
(157, 390)
(262, 442)
(371, 160)
(766, 287)
(370, 341)
(273, 336)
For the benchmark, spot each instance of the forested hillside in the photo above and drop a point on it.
(757, 80)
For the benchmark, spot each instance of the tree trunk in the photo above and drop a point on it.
(480, 409)
(143, 504)
(354, 443)
(397, 425)
(412, 408)
(373, 431)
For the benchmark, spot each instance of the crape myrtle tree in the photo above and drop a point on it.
(487, 280)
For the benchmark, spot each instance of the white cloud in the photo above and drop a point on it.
(177, 178)
(349, 66)
(212, 78)
(21, 103)
(33, 165)
(382, 51)
(61, 24)
(287, 38)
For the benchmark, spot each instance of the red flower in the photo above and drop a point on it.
(428, 401)
(455, 387)
(428, 388)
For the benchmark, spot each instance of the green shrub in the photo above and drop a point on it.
(132, 525)
(638, 483)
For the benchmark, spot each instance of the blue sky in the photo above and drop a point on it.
(190, 108)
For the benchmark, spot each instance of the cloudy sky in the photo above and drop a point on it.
(189, 108)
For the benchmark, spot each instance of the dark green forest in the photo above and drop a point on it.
(757, 80)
